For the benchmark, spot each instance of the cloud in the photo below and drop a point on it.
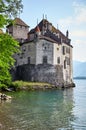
(78, 33)
(66, 22)
(78, 18)
(80, 42)
(80, 13)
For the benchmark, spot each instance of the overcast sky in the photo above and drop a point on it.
(66, 14)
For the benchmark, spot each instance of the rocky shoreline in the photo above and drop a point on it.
(45, 87)
(4, 96)
(28, 86)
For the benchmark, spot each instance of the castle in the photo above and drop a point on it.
(46, 53)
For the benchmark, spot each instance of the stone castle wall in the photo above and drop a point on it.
(40, 73)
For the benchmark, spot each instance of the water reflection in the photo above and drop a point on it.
(39, 110)
(80, 105)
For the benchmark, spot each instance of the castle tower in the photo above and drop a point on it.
(37, 31)
(18, 30)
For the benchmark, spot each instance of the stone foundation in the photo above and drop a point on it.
(39, 73)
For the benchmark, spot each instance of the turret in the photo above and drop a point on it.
(37, 31)
(37, 34)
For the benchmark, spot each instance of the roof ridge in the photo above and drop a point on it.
(19, 21)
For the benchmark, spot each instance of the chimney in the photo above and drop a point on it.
(67, 34)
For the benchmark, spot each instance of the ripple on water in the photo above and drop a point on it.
(44, 110)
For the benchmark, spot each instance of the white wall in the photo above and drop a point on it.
(57, 53)
(27, 50)
(36, 51)
(67, 72)
(44, 48)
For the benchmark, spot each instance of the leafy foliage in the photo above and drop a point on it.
(23, 85)
(11, 7)
(8, 46)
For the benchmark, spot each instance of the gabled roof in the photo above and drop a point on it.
(54, 34)
(44, 23)
(18, 21)
(40, 25)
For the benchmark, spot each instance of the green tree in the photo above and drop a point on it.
(8, 46)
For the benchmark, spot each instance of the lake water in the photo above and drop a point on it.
(46, 110)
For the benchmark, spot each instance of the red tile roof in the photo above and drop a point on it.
(37, 29)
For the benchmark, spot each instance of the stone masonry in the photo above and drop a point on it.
(40, 73)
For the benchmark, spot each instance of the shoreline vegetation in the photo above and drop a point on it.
(25, 85)
(28, 86)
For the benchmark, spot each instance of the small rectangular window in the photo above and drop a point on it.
(63, 50)
(29, 47)
(58, 60)
(28, 60)
(68, 61)
(64, 64)
(44, 59)
(67, 50)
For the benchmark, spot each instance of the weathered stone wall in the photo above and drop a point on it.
(20, 32)
(27, 51)
(44, 48)
(41, 73)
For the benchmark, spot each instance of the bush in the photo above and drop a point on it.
(3, 86)
(22, 85)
